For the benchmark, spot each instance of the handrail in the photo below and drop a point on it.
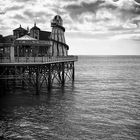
(42, 59)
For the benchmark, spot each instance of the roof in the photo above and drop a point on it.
(57, 17)
(19, 29)
(44, 35)
(7, 39)
(35, 27)
(26, 37)
(1, 39)
(27, 40)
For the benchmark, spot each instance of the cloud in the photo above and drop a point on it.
(114, 34)
(78, 15)
(29, 14)
(19, 17)
(129, 7)
(14, 8)
(137, 1)
(130, 36)
(76, 9)
(24, 1)
(104, 14)
(40, 16)
(137, 22)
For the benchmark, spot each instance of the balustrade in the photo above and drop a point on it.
(39, 59)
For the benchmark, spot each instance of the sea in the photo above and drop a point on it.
(102, 104)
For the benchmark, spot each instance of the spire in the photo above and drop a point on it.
(20, 26)
(34, 24)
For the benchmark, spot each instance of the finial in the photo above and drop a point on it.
(35, 24)
(20, 25)
(28, 29)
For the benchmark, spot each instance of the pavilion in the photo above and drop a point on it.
(27, 46)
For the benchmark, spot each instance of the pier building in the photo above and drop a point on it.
(35, 59)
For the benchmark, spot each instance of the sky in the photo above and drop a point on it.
(93, 27)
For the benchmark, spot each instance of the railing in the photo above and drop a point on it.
(39, 59)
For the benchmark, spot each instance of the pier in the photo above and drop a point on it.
(29, 62)
(36, 72)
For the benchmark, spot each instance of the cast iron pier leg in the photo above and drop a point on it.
(22, 80)
(37, 80)
(49, 76)
(73, 72)
(63, 74)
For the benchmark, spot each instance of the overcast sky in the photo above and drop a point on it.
(99, 27)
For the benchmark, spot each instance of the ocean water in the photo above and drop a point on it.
(102, 104)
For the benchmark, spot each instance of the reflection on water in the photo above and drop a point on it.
(103, 104)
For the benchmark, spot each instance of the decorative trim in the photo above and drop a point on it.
(60, 43)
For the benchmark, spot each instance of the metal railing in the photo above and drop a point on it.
(39, 59)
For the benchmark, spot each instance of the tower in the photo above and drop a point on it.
(34, 32)
(58, 44)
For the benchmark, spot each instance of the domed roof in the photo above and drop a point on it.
(58, 20)
(57, 17)
(35, 27)
(19, 29)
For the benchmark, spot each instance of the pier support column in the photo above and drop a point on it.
(14, 78)
(30, 73)
(12, 57)
(22, 80)
(49, 77)
(7, 80)
(63, 74)
(73, 72)
(37, 81)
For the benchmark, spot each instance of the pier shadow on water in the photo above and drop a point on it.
(24, 115)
